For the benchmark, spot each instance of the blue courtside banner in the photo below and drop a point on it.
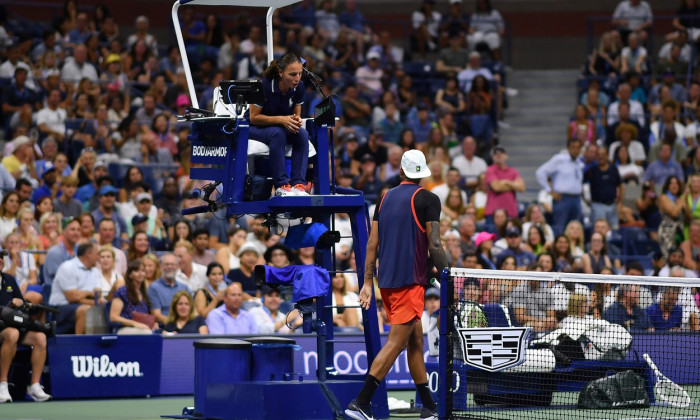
(96, 366)
(105, 366)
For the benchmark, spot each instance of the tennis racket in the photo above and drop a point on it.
(665, 389)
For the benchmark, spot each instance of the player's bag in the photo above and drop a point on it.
(622, 390)
(606, 342)
(589, 339)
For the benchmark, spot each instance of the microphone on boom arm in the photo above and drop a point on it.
(311, 75)
(315, 79)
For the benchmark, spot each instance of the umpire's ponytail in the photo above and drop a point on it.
(279, 65)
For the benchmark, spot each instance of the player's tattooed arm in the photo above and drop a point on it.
(437, 252)
(370, 264)
(371, 257)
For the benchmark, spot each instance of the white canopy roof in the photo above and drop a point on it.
(247, 3)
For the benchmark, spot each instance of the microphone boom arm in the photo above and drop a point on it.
(314, 78)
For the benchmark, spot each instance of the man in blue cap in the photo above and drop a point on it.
(108, 197)
(47, 188)
(140, 222)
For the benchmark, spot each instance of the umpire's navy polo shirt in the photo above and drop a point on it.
(276, 102)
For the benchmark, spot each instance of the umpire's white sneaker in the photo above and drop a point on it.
(4, 393)
(36, 392)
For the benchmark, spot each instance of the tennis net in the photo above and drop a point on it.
(539, 345)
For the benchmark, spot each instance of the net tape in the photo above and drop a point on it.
(574, 277)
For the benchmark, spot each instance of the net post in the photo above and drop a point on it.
(445, 357)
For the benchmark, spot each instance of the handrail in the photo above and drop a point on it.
(34, 251)
(153, 165)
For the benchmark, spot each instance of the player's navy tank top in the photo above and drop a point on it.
(403, 243)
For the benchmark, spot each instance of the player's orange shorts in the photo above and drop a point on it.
(403, 304)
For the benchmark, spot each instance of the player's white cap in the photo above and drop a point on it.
(414, 165)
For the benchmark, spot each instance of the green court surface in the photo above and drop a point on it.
(153, 408)
(116, 409)
(564, 407)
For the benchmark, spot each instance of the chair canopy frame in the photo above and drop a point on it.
(272, 5)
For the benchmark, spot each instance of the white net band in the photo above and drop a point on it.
(575, 277)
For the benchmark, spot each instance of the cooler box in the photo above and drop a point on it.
(272, 357)
(218, 361)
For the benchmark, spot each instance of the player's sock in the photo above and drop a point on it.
(371, 384)
(425, 396)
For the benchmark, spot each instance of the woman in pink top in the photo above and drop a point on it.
(161, 129)
(582, 126)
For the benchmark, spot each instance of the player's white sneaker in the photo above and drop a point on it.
(36, 392)
(5, 393)
(355, 411)
(427, 414)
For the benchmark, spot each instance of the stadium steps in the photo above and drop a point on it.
(538, 117)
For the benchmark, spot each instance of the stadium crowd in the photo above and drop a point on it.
(621, 198)
(95, 168)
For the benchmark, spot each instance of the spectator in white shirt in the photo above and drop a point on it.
(426, 22)
(7, 68)
(78, 68)
(682, 41)
(451, 180)
(74, 287)
(468, 164)
(633, 56)
(369, 76)
(254, 38)
(268, 317)
(624, 92)
(626, 135)
(472, 70)
(190, 274)
(657, 129)
(327, 21)
(485, 25)
(51, 120)
(130, 208)
(633, 16)
(142, 34)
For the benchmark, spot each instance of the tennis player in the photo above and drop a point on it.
(405, 230)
